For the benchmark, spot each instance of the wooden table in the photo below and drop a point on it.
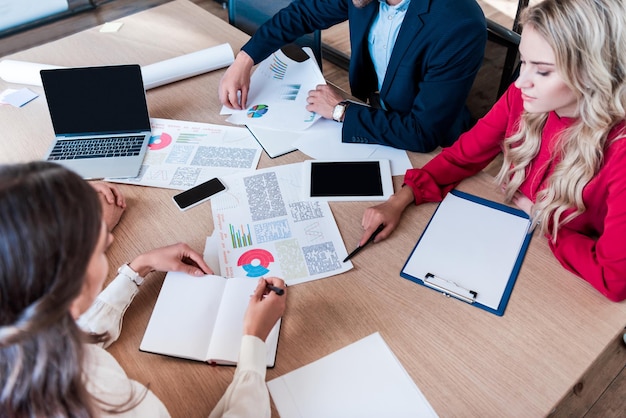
(555, 347)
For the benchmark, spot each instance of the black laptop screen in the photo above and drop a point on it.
(90, 100)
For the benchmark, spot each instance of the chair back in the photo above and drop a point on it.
(510, 39)
(248, 15)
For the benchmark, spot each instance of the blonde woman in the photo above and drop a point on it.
(561, 128)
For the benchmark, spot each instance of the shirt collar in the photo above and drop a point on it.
(400, 7)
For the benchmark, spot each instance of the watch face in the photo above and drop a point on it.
(338, 112)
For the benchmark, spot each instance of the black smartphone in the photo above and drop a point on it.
(198, 194)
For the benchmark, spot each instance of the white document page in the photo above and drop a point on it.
(17, 98)
(361, 380)
(279, 88)
(183, 317)
(265, 228)
(471, 245)
(275, 142)
(211, 252)
(183, 154)
(322, 141)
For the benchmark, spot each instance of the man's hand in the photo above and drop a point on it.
(235, 83)
(323, 100)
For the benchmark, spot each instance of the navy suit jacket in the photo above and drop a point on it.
(437, 54)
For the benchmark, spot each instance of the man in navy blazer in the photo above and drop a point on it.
(420, 104)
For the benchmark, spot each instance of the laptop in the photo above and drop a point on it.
(100, 119)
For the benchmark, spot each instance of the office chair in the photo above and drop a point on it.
(510, 39)
(248, 15)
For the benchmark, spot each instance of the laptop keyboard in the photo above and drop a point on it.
(127, 146)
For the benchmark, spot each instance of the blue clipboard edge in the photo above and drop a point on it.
(516, 267)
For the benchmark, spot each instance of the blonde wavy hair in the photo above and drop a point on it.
(588, 39)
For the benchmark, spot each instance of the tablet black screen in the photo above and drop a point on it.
(348, 178)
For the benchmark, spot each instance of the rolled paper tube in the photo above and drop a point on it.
(185, 66)
(22, 72)
(154, 75)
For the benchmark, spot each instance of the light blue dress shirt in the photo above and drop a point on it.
(383, 34)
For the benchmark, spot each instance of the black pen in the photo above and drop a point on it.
(276, 289)
(360, 247)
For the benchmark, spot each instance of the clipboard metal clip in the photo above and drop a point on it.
(449, 288)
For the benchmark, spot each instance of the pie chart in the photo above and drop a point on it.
(257, 111)
(255, 262)
(158, 142)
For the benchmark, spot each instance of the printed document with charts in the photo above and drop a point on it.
(265, 228)
(183, 154)
(363, 379)
(201, 318)
(279, 88)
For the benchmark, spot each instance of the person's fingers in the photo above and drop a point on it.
(278, 283)
(260, 289)
(198, 261)
(223, 95)
(107, 192)
(366, 235)
(120, 200)
(275, 281)
(232, 100)
(244, 97)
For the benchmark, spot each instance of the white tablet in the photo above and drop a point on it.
(347, 180)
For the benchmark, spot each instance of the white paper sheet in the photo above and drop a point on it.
(265, 229)
(361, 380)
(275, 142)
(17, 98)
(17, 12)
(184, 154)
(279, 88)
(323, 142)
(154, 75)
(210, 253)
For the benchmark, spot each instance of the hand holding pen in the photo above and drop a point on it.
(267, 304)
(379, 221)
(360, 247)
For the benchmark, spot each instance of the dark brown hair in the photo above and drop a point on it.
(50, 221)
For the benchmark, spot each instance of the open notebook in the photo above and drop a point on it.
(201, 318)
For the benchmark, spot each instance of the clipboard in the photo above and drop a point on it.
(472, 250)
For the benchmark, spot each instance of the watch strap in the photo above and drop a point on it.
(126, 270)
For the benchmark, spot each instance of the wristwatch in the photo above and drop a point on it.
(340, 110)
(126, 270)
